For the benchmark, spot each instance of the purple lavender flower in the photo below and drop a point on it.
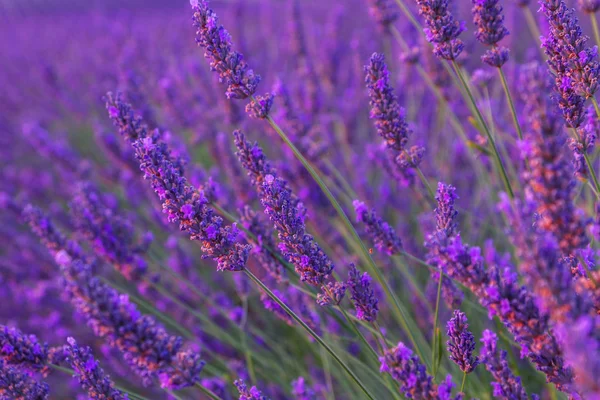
(445, 214)
(260, 106)
(331, 294)
(548, 175)
(362, 294)
(589, 6)
(22, 350)
(583, 143)
(16, 385)
(287, 214)
(507, 385)
(414, 381)
(111, 235)
(145, 345)
(383, 235)
(383, 12)
(248, 394)
(462, 343)
(388, 116)
(233, 71)
(90, 375)
(575, 66)
(302, 391)
(488, 18)
(182, 202)
(442, 30)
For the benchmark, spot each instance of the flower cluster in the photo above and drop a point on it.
(442, 30)
(488, 18)
(462, 343)
(362, 294)
(232, 68)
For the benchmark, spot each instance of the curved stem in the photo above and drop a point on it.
(496, 154)
(513, 111)
(400, 313)
(312, 333)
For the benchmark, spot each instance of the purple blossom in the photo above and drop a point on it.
(287, 213)
(302, 391)
(382, 234)
(22, 350)
(442, 30)
(182, 202)
(462, 343)
(248, 394)
(507, 385)
(589, 6)
(389, 117)
(331, 294)
(574, 65)
(111, 235)
(414, 381)
(90, 375)
(16, 385)
(260, 106)
(232, 68)
(384, 12)
(488, 18)
(362, 295)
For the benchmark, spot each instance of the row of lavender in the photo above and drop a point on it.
(300, 306)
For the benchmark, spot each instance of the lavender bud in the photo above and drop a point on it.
(488, 18)
(331, 294)
(381, 233)
(248, 394)
(90, 375)
(442, 30)
(506, 386)
(462, 343)
(218, 49)
(22, 350)
(383, 12)
(16, 385)
(260, 106)
(589, 6)
(362, 294)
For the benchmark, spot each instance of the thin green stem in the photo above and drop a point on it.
(435, 322)
(595, 103)
(513, 111)
(400, 313)
(464, 379)
(208, 392)
(595, 28)
(496, 154)
(312, 333)
(247, 353)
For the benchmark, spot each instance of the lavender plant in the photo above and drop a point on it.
(336, 261)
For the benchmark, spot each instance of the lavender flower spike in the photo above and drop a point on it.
(90, 375)
(181, 201)
(574, 64)
(383, 235)
(412, 375)
(248, 394)
(461, 343)
(589, 6)
(442, 30)
(362, 294)
(233, 71)
(16, 385)
(287, 214)
(22, 350)
(389, 117)
(506, 386)
(488, 18)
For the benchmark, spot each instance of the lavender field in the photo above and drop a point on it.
(299, 199)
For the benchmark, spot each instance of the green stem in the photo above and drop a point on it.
(462, 386)
(400, 313)
(500, 166)
(435, 322)
(533, 27)
(595, 103)
(595, 28)
(247, 353)
(208, 392)
(588, 163)
(511, 103)
(312, 333)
